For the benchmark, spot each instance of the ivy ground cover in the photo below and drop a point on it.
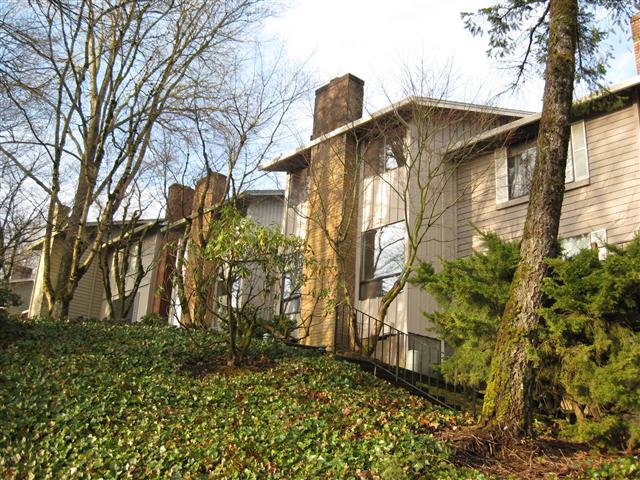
(96, 400)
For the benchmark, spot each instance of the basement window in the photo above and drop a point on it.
(382, 259)
(571, 246)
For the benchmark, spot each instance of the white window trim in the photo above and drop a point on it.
(502, 171)
(599, 237)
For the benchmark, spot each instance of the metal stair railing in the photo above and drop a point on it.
(408, 359)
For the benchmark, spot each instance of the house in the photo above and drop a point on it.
(152, 252)
(353, 192)
(21, 284)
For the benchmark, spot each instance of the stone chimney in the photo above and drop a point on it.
(635, 33)
(337, 103)
(179, 202)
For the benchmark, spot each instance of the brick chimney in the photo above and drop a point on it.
(179, 202)
(182, 201)
(337, 103)
(209, 191)
(635, 33)
(332, 197)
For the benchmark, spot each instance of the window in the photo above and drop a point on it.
(384, 155)
(514, 166)
(571, 246)
(292, 281)
(290, 296)
(298, 187)
(520, 170)
(382, 259)
(393, 156)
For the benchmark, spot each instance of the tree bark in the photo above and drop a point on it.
(508, 399)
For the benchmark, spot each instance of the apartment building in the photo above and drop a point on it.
(156, 252)
(361, 185)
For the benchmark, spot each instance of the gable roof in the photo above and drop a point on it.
(298, 158)
(504, 131)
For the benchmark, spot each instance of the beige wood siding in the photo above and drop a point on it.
(609, 200)
(87, 299)
(380, 205)
(296, 204)
(149, 259)
(23, 288)
(438, 178)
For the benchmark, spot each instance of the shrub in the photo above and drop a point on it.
(472, 291)
(593, 328)
(588, 360)
(154, 319)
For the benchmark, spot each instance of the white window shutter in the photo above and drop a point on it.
(502, 175)
(579, 150)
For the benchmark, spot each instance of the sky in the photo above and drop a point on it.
(376, 39)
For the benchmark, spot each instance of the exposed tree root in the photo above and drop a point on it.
(503, 455)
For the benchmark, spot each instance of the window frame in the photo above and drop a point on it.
(372, 286)
(597, 238)
(377, 164)
(577, 151)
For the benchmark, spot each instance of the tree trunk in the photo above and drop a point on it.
(60, 309)
(232, 360)
(507, 405)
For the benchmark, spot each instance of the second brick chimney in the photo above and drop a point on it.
(179, 202)
(337, 103)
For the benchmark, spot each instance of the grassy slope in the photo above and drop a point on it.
(93, 400)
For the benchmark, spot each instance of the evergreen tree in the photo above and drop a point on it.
(588, 356)
(473, 292)
(553, 31)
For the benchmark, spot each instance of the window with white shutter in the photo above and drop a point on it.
(578, 150)
(513, 167)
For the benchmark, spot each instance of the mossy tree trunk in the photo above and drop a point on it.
(507, 406)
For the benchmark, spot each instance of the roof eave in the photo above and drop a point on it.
(504, 130)
(299, 158)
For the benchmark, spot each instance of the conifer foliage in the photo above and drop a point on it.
(588, 360)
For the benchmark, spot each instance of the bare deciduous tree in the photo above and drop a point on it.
(91, 81)
(228, 145)
(123, 260)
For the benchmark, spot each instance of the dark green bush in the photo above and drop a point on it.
(472, 291)
(588, 360)
(154, 319)
(593, 328)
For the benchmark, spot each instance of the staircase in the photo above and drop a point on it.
(407, 360)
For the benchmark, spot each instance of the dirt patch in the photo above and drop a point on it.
(200, 367)
(523, 459)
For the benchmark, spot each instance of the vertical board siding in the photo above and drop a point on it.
(87, 299)
(266, 210)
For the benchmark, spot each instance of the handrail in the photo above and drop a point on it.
(408, 358)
